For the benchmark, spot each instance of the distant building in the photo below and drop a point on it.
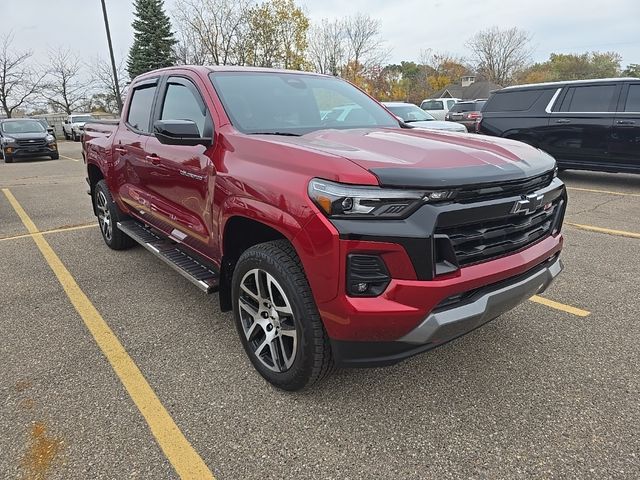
(467, 89)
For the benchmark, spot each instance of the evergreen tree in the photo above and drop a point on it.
(153, 39)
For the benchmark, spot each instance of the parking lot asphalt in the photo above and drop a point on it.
(538, 393)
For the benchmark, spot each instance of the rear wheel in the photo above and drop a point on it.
(277, 319)
(108, 216)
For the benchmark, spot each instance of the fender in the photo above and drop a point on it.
(315, 241)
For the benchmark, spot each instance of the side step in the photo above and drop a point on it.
(200, 275)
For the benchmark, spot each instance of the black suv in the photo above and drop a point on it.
(467, 113)
(26, 138)
(586, 124)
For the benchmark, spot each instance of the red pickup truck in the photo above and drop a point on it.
(337, 235)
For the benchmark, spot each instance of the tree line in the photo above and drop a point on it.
(279, 34)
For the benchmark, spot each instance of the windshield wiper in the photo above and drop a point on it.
(411, 121)
(284, 134)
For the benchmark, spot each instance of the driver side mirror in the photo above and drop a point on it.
(179, 132)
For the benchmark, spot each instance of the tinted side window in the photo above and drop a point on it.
(140, 107)
(633, 99)
(512, 101)
(590, 98)
(450, 103)
(180, 103)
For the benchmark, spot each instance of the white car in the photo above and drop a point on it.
(416, 117)
(438, 107)
(74, 125)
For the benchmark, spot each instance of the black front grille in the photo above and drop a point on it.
(483, 240)
(32, 143)
(504, 189)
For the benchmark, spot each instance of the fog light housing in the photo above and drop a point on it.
(367, 275)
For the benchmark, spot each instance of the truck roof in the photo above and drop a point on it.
(206, 69)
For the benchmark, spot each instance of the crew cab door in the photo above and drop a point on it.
(580, 127)
(625, 143)
(131, 167)
(182, 177)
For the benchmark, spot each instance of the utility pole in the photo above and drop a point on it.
(116, 84)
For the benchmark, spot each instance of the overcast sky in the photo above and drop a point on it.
(408, 26)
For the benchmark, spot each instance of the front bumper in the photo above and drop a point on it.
(26, 152)
(447, 323)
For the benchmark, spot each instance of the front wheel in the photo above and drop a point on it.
(277, 319)
(55, 156)
(7, 158)
(108, 216)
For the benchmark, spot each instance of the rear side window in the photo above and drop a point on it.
(588, 98)
(633, 99)
(180, 103)
(432, 105)
(450, 103)
(518, 101)
(140, 108)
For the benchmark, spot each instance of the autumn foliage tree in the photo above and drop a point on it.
(561, 67)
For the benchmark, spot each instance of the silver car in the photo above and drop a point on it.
(416, 117)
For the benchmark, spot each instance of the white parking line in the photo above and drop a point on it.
(69, 158)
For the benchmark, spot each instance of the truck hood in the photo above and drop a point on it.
(429, 159)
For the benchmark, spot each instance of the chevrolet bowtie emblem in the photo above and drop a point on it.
(528, 204)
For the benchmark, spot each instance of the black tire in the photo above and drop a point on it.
(74, 137)
(113, 237)
(66, 136)
(7, 158)
(55, 156)
(313, 359)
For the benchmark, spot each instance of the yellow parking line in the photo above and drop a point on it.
(608, 231)
(184, 459)
(609, 192)
(46, 232)
(560, 306)
(69, 158)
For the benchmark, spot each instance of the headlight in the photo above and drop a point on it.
(341, 200)
(50, 138)
(8, 140)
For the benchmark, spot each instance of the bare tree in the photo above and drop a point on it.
(102, 77)
(66, 87)
(211, 31)
(364, 44)
(500, 54)
(327, 47)
(19, 81)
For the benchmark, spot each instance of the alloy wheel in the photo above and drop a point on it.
(267, 320)
(104, 215)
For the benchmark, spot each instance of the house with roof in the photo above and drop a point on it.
(469, 88)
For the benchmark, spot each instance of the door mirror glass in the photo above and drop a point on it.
(179, 132)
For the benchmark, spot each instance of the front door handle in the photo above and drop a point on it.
(563, 120)
(153, 158)
(120, 150)
(625, 122)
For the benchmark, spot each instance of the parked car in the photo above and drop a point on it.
(50, 130)
(74, 126)
(25, 138)
(438, 107)
(418, 118)
(586, 124)
(335, 241)
(466, 113)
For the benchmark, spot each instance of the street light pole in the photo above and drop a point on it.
(116, 84)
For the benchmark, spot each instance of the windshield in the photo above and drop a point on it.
(410, 113)
(22, 126)
(81, 119)
(294, 104)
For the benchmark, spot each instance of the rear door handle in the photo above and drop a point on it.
(625, 122)
(153, 158)
(563, 120)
